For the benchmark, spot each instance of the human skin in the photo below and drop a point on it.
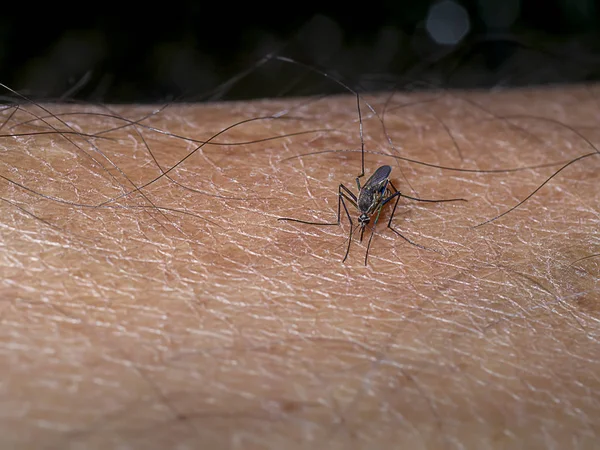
(211, 324)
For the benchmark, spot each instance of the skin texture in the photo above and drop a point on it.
(210, 324)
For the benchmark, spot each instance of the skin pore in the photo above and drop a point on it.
(184, 315)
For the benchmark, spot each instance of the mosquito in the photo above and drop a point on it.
(377, 192)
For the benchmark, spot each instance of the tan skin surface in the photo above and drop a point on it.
(130, 327)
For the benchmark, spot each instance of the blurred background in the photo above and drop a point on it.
(186, 50)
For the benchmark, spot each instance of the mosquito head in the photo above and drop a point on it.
(363, 220)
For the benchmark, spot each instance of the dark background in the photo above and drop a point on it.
(184, 50)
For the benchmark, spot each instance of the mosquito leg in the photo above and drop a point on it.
(358, 180)
(362, 143)
(342, 191)
(400, 234)
(426, 200)
(350, 194)
(397, 195)
(373, 230)
(342, 196)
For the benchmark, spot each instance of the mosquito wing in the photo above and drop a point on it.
(378, 178)
(371, 193)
